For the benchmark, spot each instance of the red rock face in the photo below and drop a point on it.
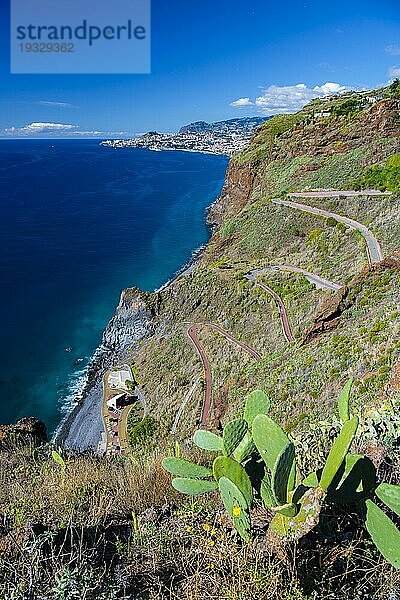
(317, 139)
(235, 193)
(328, 316)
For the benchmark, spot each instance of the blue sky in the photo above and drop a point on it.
(212, 60)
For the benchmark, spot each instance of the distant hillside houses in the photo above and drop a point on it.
(370, 98)
(322, 113)
(340, 104)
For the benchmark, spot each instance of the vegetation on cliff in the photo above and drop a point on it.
(101, 528)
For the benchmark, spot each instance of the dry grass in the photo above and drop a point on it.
(89, 491)
(105, 529)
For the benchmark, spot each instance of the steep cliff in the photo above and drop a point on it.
(114, 528)
(288, 153)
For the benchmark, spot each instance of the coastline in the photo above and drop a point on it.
(210, 152)
(81, 427)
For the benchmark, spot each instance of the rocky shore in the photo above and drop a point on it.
(82, 427)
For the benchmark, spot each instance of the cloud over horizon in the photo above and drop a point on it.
(288, 98)
(38, 129)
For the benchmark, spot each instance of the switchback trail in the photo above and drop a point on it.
(287, 332)
(374, 255)
(320, 282)
(191, 332)
(373, 248)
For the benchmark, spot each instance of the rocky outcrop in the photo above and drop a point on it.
(28, 431)
(328, 316)
(132, 322)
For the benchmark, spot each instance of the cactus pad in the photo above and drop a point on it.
(194, 487)
(257, 403)
(266, 492)
(269, 438)
(390, 495)
(233, 433)
(236, 507)
(384, 534)
(245, 449)
(343, 402)
(206, 440)
(281, 474)
(231, 469)
(185, 468)
(311, 480)
(338, 452)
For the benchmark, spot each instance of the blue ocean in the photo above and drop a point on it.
(78, 223)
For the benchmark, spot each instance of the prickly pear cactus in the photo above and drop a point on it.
(185, 468)
(338, 452)
(231, 469)
(257, 403)
(233, 433)
(290, 528)
(236, 507)
(193, 487)
(269, 438)
(343, 402)
(384, 534)
(245, 449)
(206, 440)
(390, 495)
(281, 474)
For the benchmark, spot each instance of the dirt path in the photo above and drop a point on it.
(373, 248)
(320, 282)
(191, 332)
(287, 332)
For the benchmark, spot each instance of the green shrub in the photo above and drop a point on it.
(142, 432)
(385, 177)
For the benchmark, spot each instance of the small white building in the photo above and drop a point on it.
(114, 402)
(322, 113)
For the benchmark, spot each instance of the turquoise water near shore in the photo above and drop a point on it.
(78, 223)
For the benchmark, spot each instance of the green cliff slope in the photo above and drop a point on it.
(306, 152)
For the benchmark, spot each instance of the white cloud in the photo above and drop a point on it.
(58, 130)
(56, 104)
(241, 102)
(393, 50)
(288, 98)
(40, 129)
(330, 88)
(394, 72)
